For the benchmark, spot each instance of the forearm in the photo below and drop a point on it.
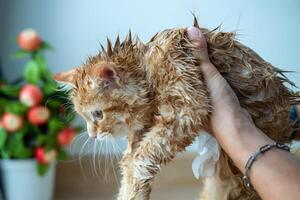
(275, 174)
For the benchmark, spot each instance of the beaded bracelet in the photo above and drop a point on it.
(260, 151)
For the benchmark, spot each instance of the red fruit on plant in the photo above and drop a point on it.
(38, 115)
(29, 40)
(40, 155)
(12, 122)
(65, 136)
(44, 157)
(31, 95)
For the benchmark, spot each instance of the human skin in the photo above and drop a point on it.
(298, 110)
(276, 174)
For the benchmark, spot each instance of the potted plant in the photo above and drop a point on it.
(35, 125)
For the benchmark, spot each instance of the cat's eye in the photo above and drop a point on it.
(106, 83)
(97, 115)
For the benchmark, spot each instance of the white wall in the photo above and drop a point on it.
(76, 27)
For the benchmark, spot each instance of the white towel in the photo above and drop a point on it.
(209, 153)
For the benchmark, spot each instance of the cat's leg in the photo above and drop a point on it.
(126, 166)
(126, 171)
(173, 131)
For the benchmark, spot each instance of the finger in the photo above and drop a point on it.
(197, 38)
(215, 82)
(210, 73)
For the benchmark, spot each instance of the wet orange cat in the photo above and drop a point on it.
(155, 94)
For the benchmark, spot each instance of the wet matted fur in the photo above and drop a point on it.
(155, 93)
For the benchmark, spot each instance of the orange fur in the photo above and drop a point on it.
(155, 93)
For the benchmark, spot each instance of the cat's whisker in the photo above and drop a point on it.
(113, 157)
(113, 165)
(118, 150)
(99, 157)
(56, 97)
(65, 88)
(76, 140)
(68, 107)
(90, 156)
(83, 147)
(80, 157)
(105, 162)
(70, 116)
(94, 157)
(97, 166)
(104, 148)
(74, 155)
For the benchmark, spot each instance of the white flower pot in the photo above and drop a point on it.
(21, 181)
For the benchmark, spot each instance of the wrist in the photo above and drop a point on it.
(250, 141)
(246, 138)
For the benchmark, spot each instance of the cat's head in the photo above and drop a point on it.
(111, 96)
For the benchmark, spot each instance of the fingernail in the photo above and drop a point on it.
(194, 33)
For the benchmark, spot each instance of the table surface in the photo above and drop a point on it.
(176, 181)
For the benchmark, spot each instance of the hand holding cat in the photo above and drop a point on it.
(228, 117)
(239, 137)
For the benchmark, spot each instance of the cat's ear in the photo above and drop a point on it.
(66, 78)
(108, 74)
(107, 71)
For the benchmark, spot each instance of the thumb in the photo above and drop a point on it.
(199, 43)
(217, 85)
(211, 74)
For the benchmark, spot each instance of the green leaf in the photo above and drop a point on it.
(40, 140)
(17, 147)
(55, 125)
(46, 46)
(5, 154)
(61, 154)
(32, 72)
(54, 104)
(20, 54)
(45, 72)
(49, 88)
(50, 142)
(3, 136)
(3, 103)
(16, 108)
(10, 90)
(23, 152)
(42, 168)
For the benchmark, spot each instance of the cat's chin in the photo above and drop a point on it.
(92, 135)
(103, 135)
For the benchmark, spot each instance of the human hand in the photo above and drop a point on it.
(239, 137)
(229, 122)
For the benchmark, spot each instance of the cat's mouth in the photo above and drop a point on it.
(115, 130)
(102, 136)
